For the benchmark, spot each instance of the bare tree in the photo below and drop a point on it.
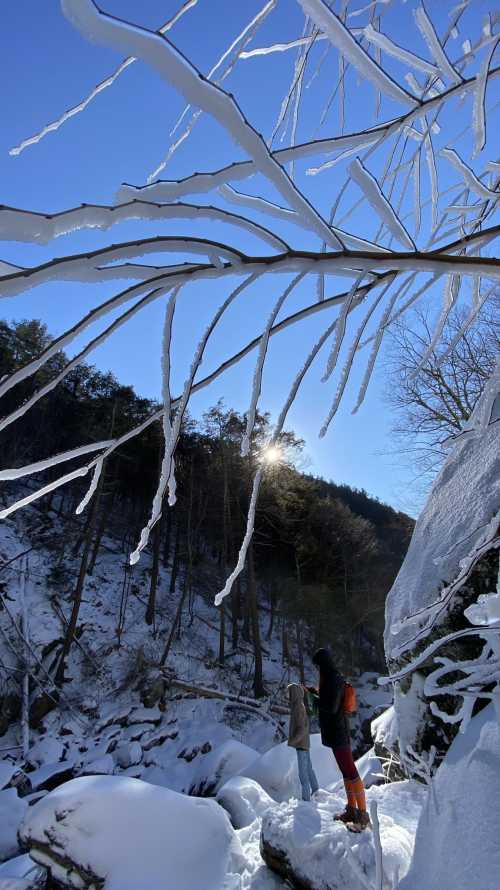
(416, 186)
(432, 391)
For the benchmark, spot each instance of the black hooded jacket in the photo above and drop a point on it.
(333, 721)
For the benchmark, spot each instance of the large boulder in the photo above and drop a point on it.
(457, 842)
(119, 833)
(302, 842)
(451, 562)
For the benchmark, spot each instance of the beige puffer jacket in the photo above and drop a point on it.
(298, 733)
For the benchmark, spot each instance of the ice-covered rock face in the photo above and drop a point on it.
(121, 834)
(455, 522)
(451, 562)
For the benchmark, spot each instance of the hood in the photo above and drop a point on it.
(323, 659)
(295, 693)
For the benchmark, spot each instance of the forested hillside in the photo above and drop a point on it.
(323, 555)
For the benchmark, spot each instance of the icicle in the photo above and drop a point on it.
(340, 332)
(259, 367)
(92, 488)
(375, 197)
(436, 49)
(479, 103)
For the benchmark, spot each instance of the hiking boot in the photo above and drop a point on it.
(360, 822)
(349, 815)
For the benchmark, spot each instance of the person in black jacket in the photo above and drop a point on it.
(335, 734)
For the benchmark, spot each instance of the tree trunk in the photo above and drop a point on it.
(77, 596)
(258, 683)
(168, 535)
(235, 612)
(284, 643)
(272, 610)
(175, 560)
(151, 607)
(173, 628)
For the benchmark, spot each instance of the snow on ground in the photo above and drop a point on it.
(133, 835)
(457, 843)
(326, 856)
(102, 728)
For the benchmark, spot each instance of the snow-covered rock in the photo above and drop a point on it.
(101, 766)
(22, 873)
(7, 770)
(124, 834)
(46, 750)
(220, 765)
(454, 522)
(128, 754)
(244, 800)
(51, 774)
(303, 843)
(457, 842)
(12, 811)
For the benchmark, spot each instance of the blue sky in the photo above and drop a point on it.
(121, 137)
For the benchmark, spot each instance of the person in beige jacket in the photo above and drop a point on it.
(298, 738)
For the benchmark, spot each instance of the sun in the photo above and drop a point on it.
(272, 454)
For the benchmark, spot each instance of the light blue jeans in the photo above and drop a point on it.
(307, 775)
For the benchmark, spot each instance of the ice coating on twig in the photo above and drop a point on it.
(468, 175)
(259, 367)
(330, 24)
(436, 48)
(379, 202)
(102, 85)
(340, 332)
(479, 102)
(174, 431)
(402, 55)
(92, 487)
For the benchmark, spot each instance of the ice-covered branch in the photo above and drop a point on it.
(25, 225)
(172, 431)
(198, 183)
(173, 67)
(436, 48)
(340, 36)
(102, 85)
(379, 202)
(257, 378)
